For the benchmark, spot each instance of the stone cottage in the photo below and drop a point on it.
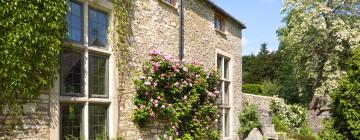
(89, 98)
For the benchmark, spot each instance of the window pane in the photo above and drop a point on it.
(227, 123)
(226, 68)
(98, 75)
(71, 121)
(219, 88)
(74, 22)
(71, 73)
(219, 65)
(226, 93)
(97, 28)
(98, 122)
(220, 121)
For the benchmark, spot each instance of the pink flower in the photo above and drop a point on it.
(155, 52)
(142, 77)
(150, 79)
(147, 83)
(158, 97)
(166, 86)
(147, 93)
(177, 84)
(185, 69)
(142, 106)
(156, 104)
(156, 66)
(163, 75)
(175, 68)
(185, 97)
(163, 106)
(152, 114)
(168, 57)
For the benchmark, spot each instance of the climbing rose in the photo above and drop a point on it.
(155, 52)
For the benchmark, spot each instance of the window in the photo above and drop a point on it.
(98, 76)
(98, 122)
(97, 28)
(71, 123)
(223, 67)
(71, 73)
(84, 77)
(219, 23)
(171, 2)
(74, 22)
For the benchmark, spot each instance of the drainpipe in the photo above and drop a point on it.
(181, 37)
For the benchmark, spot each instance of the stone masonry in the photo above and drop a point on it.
(155, 25)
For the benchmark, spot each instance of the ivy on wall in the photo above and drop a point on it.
(182, 95)
(122, 13)
(31, 38)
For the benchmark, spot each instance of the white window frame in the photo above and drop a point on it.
(222, 108)
(111, 100)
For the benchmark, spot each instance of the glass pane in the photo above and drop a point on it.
(226, 93)
(74, 22)
(219, 88)
(98, 122)
(227, 123)
(97, 28)
(98, 75)
(220, 120)
(71, 121)
(226, 68)
(219, 65)
(71, 73)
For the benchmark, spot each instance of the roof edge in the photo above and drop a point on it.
(218, 8)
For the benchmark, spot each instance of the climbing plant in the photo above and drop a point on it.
(122, 16)
(182, 95)
(31, 38)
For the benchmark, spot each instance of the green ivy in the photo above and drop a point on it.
(183, 95)
(31, 38)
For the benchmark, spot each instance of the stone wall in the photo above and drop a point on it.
(155, 24)
(33, 124)
(263, 106)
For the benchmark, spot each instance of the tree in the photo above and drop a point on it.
(346, 101)
(261, 67)
(318, 35)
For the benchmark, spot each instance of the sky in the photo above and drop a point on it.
(261, 17)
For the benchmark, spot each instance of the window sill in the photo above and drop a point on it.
(221, 32)
(168, 4)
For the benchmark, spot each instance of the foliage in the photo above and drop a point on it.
(346, 100)
(252, 89)
(329, 133)
(317, 38)
(269, 88)
(279, 124)
(295, 86)
(293, 116)
(303, 133)
(260, 67)
(31, 39)
(176, 93)
(249, 119)
(123, 11)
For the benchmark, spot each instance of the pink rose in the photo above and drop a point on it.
(168, 57)
(185, 69)
(185, 97)
(142, 106)
(147, 93)
(155, 52)
(147, 83)
(163, 106)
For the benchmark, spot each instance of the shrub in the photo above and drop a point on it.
(293, 116)
(345, 112)
(183, 95)
(329, 133)
(249, 119)
(269, 88)
(252, 89)
(279, 124)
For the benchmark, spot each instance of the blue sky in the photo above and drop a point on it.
(261, 17)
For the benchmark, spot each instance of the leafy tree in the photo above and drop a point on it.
(318, 35)
(346, 101)
(246, 67)
(261, 67)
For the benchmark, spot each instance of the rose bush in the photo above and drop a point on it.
(184, 95)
